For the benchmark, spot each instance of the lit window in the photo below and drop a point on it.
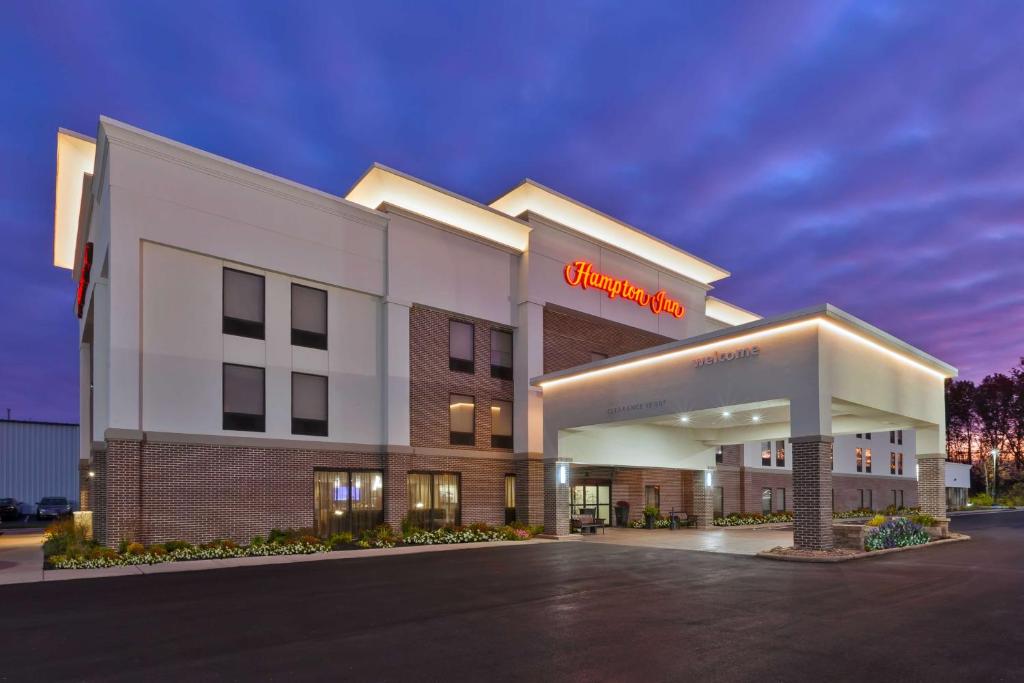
(899, 463)
(892, 461)
(766, 453)
(461, 411)
(867, 460)
(860, 459)
(501, 354)
(244, 405)
(780, 453)
(243, 304)
(309, 404)
(510, 498)
(347, 501)
(460, 346)
(434, 500)
(501, 424)
(309, 317)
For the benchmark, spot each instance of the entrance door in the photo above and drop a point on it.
(596, 496)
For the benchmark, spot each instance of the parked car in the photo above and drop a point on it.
(53, 508)
(9, 510)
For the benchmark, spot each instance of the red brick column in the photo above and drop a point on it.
(556, 498)
(396, 489)
(530, 491)
(123, 492)
(931, 484)
(98, 496)
(812, 492)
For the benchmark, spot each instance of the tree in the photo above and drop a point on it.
(961, 421)
(992, 404)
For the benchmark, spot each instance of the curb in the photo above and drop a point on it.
(233, 562)
(768, 555)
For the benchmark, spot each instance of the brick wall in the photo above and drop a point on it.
(812, 502)
(431, 382)
(199, 492)
(569, 338)
(83, 484)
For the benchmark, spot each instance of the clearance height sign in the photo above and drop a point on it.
(582, 274)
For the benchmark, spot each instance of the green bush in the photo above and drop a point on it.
(981, 500)
(922, 520)
(736, 519)
(859, 512)
(651, 511)
(340, 541)
(379, 537)
(64, 537)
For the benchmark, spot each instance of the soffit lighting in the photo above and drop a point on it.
(755, 418)
(726, 413)
(732, 341)
(75, 155)
(684, 418)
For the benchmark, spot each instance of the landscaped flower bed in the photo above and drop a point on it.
(898, 532)
(736, 519)
(66, 546)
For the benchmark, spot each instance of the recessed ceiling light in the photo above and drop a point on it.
(684, 418)
(726, 413)
(756, 418)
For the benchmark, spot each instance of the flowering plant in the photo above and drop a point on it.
(898, 532)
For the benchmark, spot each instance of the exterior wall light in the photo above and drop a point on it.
(707, 478)
(91, 474)
(563, 474)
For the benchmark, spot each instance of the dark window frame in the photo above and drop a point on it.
(242, 422)
(867, 461)
(306, 422)
(462, 364)
(858, 454)
(501, 371)
(462, 439)
(350, 471)
(307, 338)
(899, 463)
(780, 453)
(500, 441)
(432, 474)
(239, 327)
(766, 461)
(892, 462)
(719, 455)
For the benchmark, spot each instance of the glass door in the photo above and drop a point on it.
(593, 496)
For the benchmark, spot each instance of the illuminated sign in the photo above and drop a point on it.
(83, 280)
(582, 274)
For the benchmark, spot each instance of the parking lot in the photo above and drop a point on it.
(574, 610)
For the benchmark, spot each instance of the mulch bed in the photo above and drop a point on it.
(790, 554)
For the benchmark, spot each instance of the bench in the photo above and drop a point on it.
(588, 521)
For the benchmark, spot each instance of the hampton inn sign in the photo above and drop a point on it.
(582, 274)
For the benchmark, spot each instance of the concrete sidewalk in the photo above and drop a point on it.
(21, 556)
(731, 540)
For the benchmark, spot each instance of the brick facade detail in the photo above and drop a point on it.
(812, 494)
(570, 338)
(153, 492)
(431, 382)
(556, 499)
(931, 472)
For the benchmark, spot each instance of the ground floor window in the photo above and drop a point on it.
(766, 501)
(347, 501)
(434, 499)
(652, 497)
(897, 497)
(866, 502)
(719, 501)
(510, 498)
(593, 496)
(780, 500)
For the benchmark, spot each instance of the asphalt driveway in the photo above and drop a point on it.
(560, 611)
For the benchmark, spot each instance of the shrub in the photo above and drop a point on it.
(651, 511)
(134, 549)
(736, 519)
(981, 500)
(859, 512)
(172, 546)
(340, 540)
(257, 541)
(898, 532)
(379, 537)
(877, 520)
(922, 520)
(64, 537)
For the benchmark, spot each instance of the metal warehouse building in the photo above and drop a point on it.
(38, 459)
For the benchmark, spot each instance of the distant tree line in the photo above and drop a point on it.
(986, 416)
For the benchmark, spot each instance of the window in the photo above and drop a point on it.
(461, 411)
(243, 304)
(892, 436)
(897, 498)
(501, 424)
(867, 435)
(860, 436)
(510, 498)
(867, 460)
(347, 501)
(460, 346)
(592, 495)
(766, 501)
(860, 459)
(434, 500)
(244, 404)
(501, 354)
(780, 453)
(719, 455)
(899, 437)
(719, 503)
(652, 497)
(892, 461)
(309, 404)
(597, 355)
(780, 500)
(766, 453)
(899, 463)
(869, 502)
(309, 317)
(861, 492)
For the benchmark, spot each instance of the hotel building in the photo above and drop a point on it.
(258, 354)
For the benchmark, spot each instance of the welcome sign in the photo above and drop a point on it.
(582, 274)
